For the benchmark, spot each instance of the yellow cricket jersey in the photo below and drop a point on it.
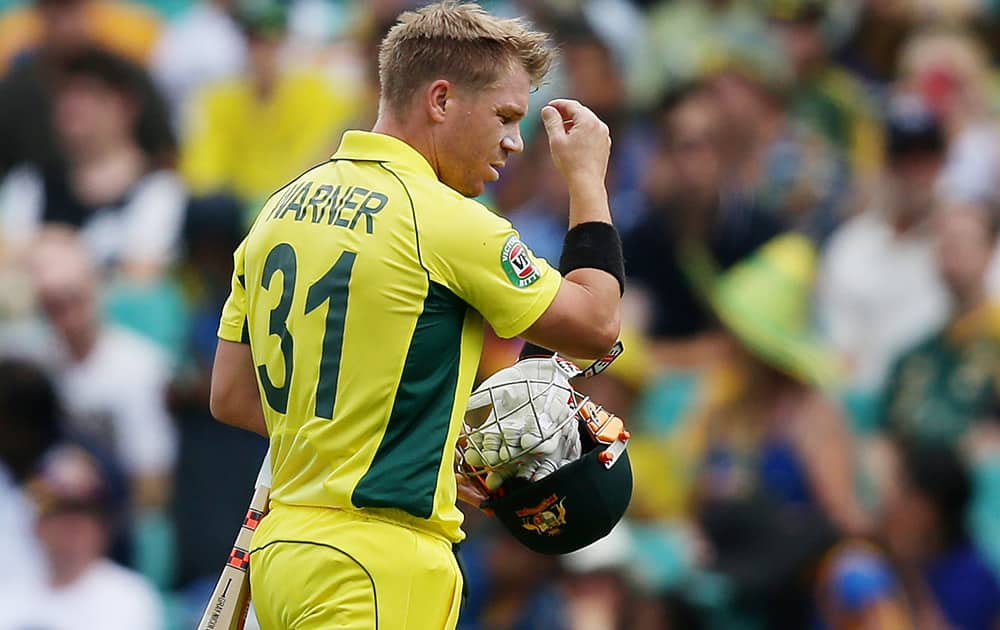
(361, 289)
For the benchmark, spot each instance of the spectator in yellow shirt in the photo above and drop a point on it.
(251, 135)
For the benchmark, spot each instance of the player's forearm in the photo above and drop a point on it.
(255, 425)
(603, 289)
(248, 418)
(239, 407)
(604, 305)
(235, 398)
(588, 201)
(583, 321)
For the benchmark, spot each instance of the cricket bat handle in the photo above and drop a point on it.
(227, 608)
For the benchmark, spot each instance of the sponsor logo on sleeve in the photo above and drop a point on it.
(518, 264)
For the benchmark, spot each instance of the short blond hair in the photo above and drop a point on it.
(459, 42)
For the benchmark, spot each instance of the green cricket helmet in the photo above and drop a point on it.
(554, 464)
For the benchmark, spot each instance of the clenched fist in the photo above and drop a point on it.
(579, 141)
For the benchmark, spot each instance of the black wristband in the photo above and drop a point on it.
(594, 245)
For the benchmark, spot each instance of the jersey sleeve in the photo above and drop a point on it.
(480, 257)
(233, 323)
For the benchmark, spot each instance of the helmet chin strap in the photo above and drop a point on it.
(602, 364)
(595, 368)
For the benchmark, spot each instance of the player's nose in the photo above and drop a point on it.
(513, 143)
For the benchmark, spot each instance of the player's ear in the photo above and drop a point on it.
(437, 96)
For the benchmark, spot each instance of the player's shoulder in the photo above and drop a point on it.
(435, 203)
(465, 210)
(467, 221)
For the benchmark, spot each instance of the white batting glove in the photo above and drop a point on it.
(532, 439)
(554, 441)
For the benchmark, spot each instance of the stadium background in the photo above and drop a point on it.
(868, 128)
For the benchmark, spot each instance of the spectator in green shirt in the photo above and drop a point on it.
(949, 382)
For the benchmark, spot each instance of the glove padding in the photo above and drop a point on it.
(535, 435)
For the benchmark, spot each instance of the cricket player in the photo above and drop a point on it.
(354, 328)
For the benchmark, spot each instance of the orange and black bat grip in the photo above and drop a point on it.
(230, 602)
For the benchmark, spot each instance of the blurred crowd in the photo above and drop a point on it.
(809, 197)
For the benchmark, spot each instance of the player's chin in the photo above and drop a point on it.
(473, 189)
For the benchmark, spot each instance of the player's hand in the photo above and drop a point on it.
(469, 492)
(579, 141)
(562, 445)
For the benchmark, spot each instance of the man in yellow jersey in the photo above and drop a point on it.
(354, 327)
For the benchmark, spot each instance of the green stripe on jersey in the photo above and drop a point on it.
(404, 471)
